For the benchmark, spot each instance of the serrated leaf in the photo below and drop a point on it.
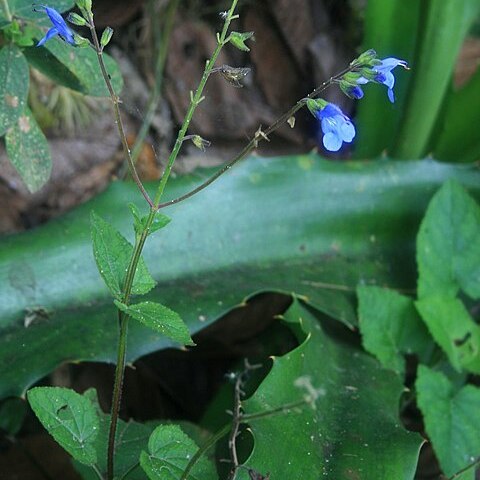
(448, 244)
(453, 329)
(28, 150)
(131, 439)
(169, 452)
(160, 221)
(390, 326)
(238, 39)
(452, 419)
(70, 418)
(112, 254)
(13, 87)
(348, 425)
(159, 318)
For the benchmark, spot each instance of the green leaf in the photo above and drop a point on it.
(452, 419)
(112, 254)
(391, 28)
(390, 326)
(458, 139)
(453, 329)
(238, 40)
(448, 244)
(23, 9)
(348, 426)
(70, 419)
(12, 413)
(13, 87)
(159, 318)
(160, 221)
(28, 150)
(76, 68)
(269, 225)
(131, 439)
(443, 29)
(169, 451)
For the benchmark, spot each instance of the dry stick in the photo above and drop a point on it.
(259, 136)
(237, 415)
(116, 111)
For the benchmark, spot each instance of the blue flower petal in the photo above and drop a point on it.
(332, 142)
(59, 26)
(336, 127)
(51, 33)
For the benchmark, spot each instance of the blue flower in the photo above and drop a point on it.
(59, 28)
(383, 74)
(336, 127)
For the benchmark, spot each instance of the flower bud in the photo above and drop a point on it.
(106, 37)
(76, 19)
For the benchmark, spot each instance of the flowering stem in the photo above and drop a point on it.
(259, 136)
(116, 111)
(140, 242)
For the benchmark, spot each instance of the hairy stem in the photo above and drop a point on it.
(116, 111)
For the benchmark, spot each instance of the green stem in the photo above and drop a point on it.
(157, 88)
(204, 448)
(6, 9)
(116, 111)
(259, 136)
(122, 348)
(195, 101)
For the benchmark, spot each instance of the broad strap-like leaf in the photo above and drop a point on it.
(70, 418)
(448, 244)
(169, 452)
(28, 150)
(159, 318)
(269, 225)
(390, 326)
(112, 254)
(452, 419)
(347, 426)
(453, 329)
(14, 82)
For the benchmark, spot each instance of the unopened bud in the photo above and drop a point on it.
(106, 36)
(76, 19)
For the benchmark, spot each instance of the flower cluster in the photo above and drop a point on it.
(336, 126)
